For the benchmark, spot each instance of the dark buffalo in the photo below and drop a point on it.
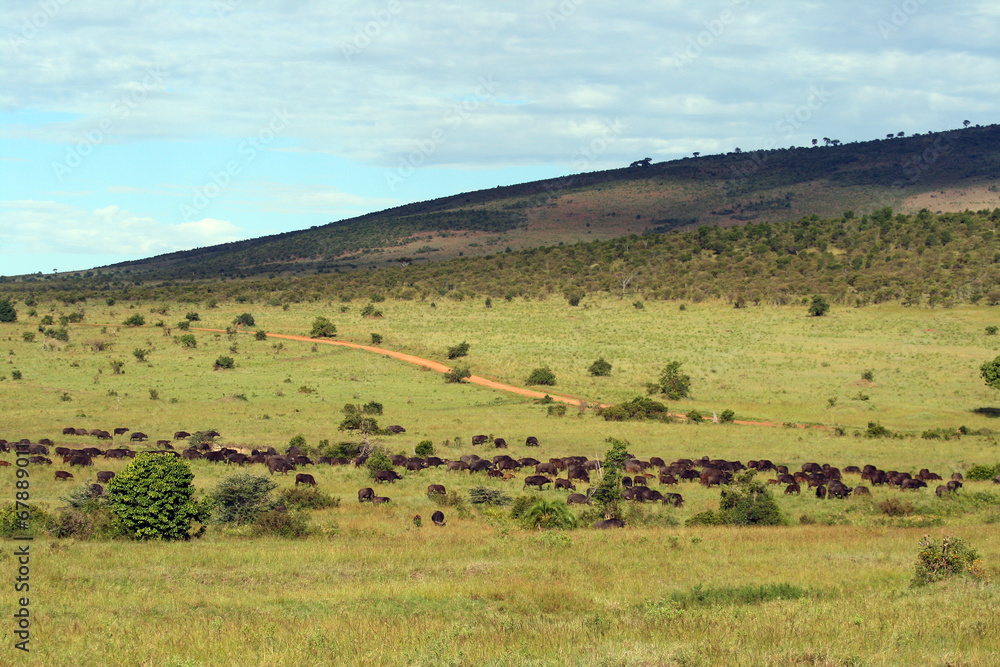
(63, 451)
(913, 484)
(862, 491)
(639, 480)
(192, 454)
(395, 428)
(38, 449)
(838, 490)
(138, 436)
(276, 464)
(954, 485)
(81, 431)
(941, 490)
(499, 443)
(105, 476)
(793, 488)
(548, 468)
(667, 479)
(303, 478)
(436, 489)
(496, 474)
(96, 490)
(80, 460)
(508, 464)
(536, 480)
(609, 523)
(45, 441)
(434, 461)
(479, 439)
(63, 475)
(649, 495)
(237, 458)
(528, 461)
(69, 430)
(39, 460)
(379, 500)
(577, 499)
(104, 435)
(627, 482)
(457, 465)
(438, 518)
(957, 476)
(996, 479)
(564, 484)
(180, 435)
(387, 476)
(821, 491)
(578, 473)
(163, 443)
(480, 465)
(121, 430)
(531, 441)
(217, 457)
(366, 493)
(674, 499)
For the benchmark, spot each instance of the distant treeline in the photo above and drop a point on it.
(921, 259)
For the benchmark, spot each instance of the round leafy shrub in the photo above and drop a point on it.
(695, 417)
(460, 350)
(322, 328)
(153, 498)
(377, 461)
(376, 339)
(818, 306)
(541, 376)
(306, 498)
(674, 384)
(260, 335)
(982, 473)
(484, 495)
(600, 368)
(224, 363)
(241, 498)
(136, 320)
(424, 448)
(991, 373)
(951, 557)
(727, 417)
(457, 374)
(7, 312)
(244, 320)
(750, 503)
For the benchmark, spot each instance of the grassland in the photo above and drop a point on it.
(370, 588)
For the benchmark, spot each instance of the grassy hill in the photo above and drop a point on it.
(945, 171)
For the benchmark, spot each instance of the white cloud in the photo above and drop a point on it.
(41, 227)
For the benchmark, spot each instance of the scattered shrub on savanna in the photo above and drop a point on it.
(192, 317)
(359, 421)
(424, 448)
(277, 523)
(694, 417)
(188, 340)
(990, 372)
(16, 374)
(376, 339)
(727, 417)
(298, 441)
(819, 306)
(153, 498)
(224, 363)
(748, 503)
(322, 328)
(600, 368)
(306, 498)
(140, 354)
(638, 408)
(28, 336)
(136, 320)
(184, 325)
(982, 473)
(951, 557)
(244, 320)
(558, 410)
(544, 514)
(541, 376)
(991, 330)
(895, 507)
(7, 311)
(674, 384)
(460, 350)
(370, 311)
(260, 335)
(450, 499)
(457, 374)
(22, 520)
(240, 498)
(868, 375)
(378, 460)
(607, 496)
(875, 430)
(484, 495)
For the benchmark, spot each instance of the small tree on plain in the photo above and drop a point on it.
(244, 320)
(136, 320)
(600, 368)
(990, 372)
(153, 498)
(818, 306)
(674, 384)
(543, 376)
(7, 312)
(241, 498)
(322, 328)
(608, 495)
(457, 374)
(460, 350)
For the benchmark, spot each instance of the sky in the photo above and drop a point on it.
(131, 128)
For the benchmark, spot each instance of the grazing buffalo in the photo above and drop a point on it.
(639, 480)
(303, 478)
(480, 465)
(38, 449)
(564, 484)
(45, 441)
(913, 484)
(674, 499)
(63, 475)
(366, 493)
(941, 490)
(105, 476)
(579, 474)
(180, 435)
(96, 490)
(39, 460)
(996, 479)
(479, 439)
(192, 454)
(387, 476)
(667, 479)
(274, 464)
(577, 499)
(438, 518)
(69, 430)
(163, 443)
(81, 431)
(627, 482)
(528, 461)
(862, 491)
(793, 488)
(957, 476)
(548, 468)
(609, 523)
(494, 474)
(457, 465)
(436, 489)
(395, 428)
(954, 485)
(536, 480)
(121, 430)
(821, 491)
(104, 435)
(138, 436)
(379, 500)
(499, 443)
(649, 495)
(80, 460)
(531, 441)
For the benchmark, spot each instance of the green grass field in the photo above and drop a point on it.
(370, 588)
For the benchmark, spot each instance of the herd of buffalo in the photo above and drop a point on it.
(826, 481)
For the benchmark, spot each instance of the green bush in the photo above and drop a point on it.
(241, 498)
(7, 312)
(153, 498)
(356, 421)
(818, 306)
(457, 374)
(521, 505)
(140, 354)
(707, 518)
(750, 503)
(982, 473)
(136, 320)
(607, 497)
(600, 368)
(372, 408)
(727, 417)
(558, 410)
(28, 336)
(424, 448)
(184, 325)
(377, 460)
(484, 495)
(14, 521)
(950, 558)
(298, 441)
(700, 596)
(290, 525)
(991, 373)
(991, 330)
(306, 498)
(695, 417)
(674, 384)
(15, 374)
(877, 431)
(541, 376)
(224, 363)
(244, 320)
(548, 515)
(260, 335)
(460, 350)
(639, 407)
(188, 340)
(322, 328)
(376, 339)
(345, 450)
